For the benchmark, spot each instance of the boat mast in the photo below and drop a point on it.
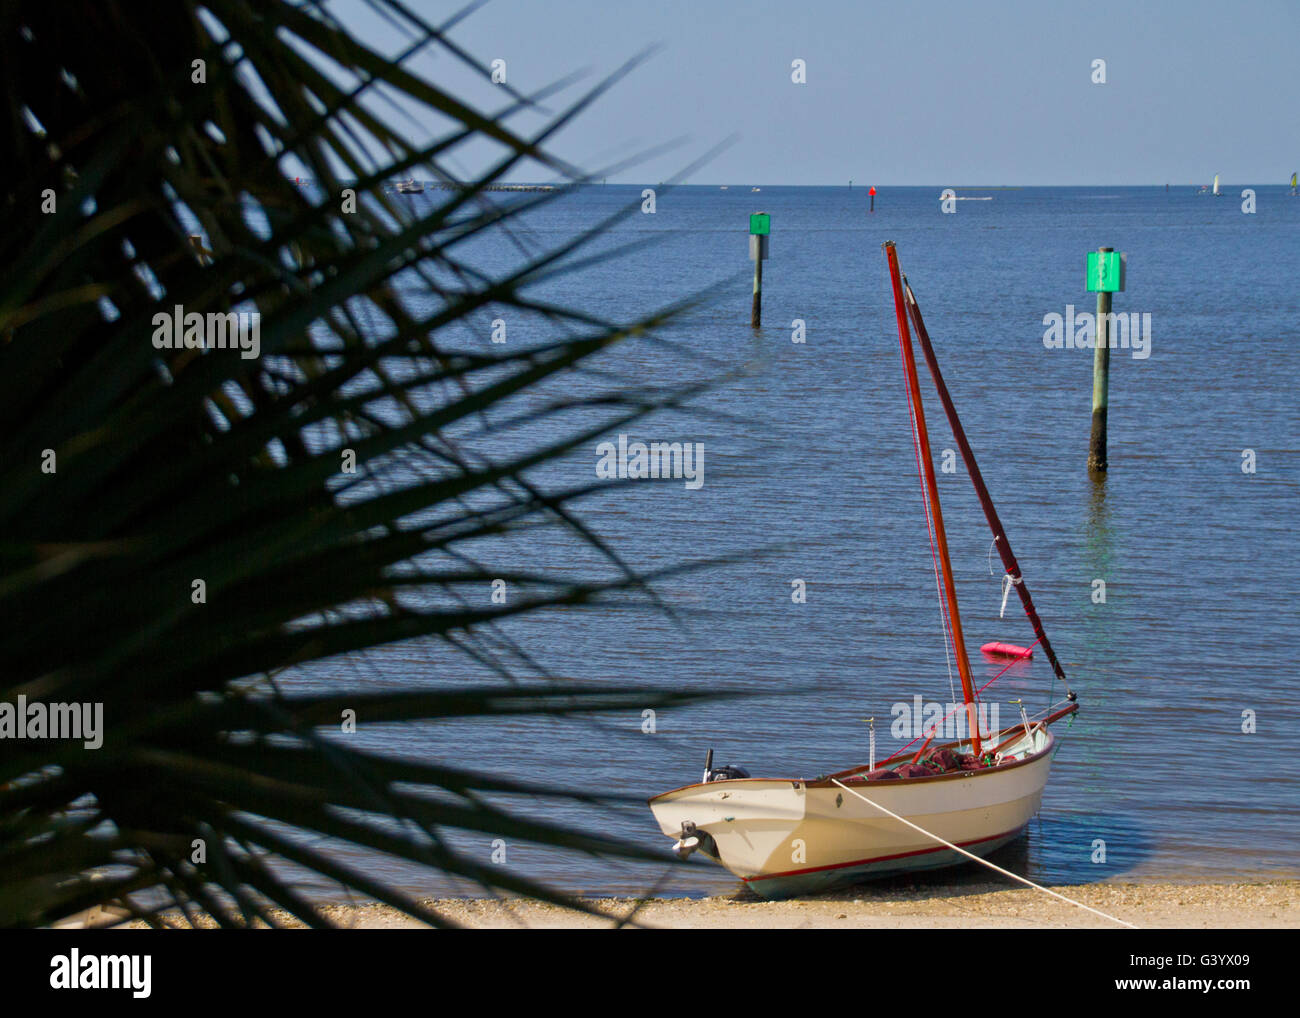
(932, 494)
(986, 501)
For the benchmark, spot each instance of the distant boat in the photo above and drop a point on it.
(410, 187)
(723, 187)
(1216, 185)
(756, 189)
(1293, 186)
(1214, 191)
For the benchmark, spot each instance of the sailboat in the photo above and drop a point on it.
(785, 836)
(1212, 190)
(1294, 191)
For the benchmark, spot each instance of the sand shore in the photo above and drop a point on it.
(1273, 904)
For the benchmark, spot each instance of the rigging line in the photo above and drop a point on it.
(1050, 687)
(1009, 665)
(978, 859)
(944, 623)
(956, 707)
(986, 501)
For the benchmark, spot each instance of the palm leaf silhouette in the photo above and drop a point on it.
(132, 471)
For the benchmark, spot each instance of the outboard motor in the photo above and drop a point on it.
(723, 773)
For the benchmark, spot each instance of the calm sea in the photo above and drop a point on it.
(808, 460)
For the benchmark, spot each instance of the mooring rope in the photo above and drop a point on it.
(984, 862)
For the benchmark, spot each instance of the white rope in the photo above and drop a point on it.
(985, 862)
(1007, 582)
(943, 615)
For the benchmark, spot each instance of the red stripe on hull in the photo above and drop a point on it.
(883, 858)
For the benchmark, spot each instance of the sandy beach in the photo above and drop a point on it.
(1273, 904)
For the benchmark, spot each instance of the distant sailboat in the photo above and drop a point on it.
(1216, 185)
(1211, 190)
(1293, 186)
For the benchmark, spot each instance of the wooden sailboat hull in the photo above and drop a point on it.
(789, 837)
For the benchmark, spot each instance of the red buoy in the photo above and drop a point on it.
(1007, 650)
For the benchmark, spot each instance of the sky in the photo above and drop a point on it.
(912, 93)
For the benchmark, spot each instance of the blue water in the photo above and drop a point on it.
(808, 455)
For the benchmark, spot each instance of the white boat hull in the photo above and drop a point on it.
(788, 836)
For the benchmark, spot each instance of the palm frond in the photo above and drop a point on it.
(131, 471)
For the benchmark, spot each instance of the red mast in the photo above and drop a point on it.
(932, 494)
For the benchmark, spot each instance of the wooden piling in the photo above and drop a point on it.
(1100, 380)
(760, 225)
